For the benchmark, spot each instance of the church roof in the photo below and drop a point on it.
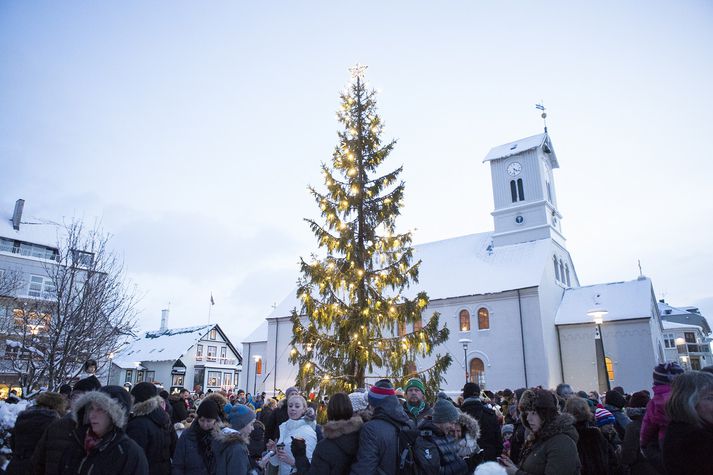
(466, 265)
(258, 335)
(523, 145)
(623, 300)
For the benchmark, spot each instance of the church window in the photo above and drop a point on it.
(402, 328)
(557, 268)
(483, 319)
(418, 325)
(566, 273)
(610, 368)
(549, 192)
(411, 369)
(561, 271)
(477, 372)
(464, 320)
(520, 190)
(513, 191)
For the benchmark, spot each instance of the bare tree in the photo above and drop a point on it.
(84, 309)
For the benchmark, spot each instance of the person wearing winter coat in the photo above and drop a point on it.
(445, 421)
(595, 454)
(179, 406)
(150, 427)
(467, 432)
(655, 421)
(300, 425)
(490, 437)
(688, 441)
(278, 416)
(194, 451)
(336, 452)
(416, 406)
(632, 460)
(615, 402)
(606, 422)
(552, 445)
(230, 445)
(97, 443)
(378, 447)
(29, 427)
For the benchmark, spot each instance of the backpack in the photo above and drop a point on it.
(417, 453)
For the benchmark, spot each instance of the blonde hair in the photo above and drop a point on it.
(301, 397)
(686, 391)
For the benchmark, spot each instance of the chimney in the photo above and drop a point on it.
(17, 214)
(164, 320)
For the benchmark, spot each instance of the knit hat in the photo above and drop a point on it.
(665, 372)
(507, 429)
(65, 389)
(53, 401)
(240, 416)
(537, 398)
(638, 399)
(209, 409)
(614, 398)
(87, 384)
(289, 391)
(603, 417)
(470, 390)
(444, 411)
(144, 391)
(380, 392)
(415, 383)
(358, 400)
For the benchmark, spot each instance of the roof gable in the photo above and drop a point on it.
(623, 301)
(523, 145)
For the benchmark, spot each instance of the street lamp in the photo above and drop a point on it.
(257, 359)
(597, 314)
(465, 342)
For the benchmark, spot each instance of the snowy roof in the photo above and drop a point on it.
(32, 230)
(684, 315)
(467, 265)
(166, 345)
(259, 334)
(523, 145)
(623, 300)
(672, 325)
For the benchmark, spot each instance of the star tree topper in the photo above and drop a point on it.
(358, 71)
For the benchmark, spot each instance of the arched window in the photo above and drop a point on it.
(549, 192)
(513, 191)
(610, 368)
(557, 268)
(566, 273)
(464, 320)
(402, 328)
(410, 367)
(520, 190)
(561, 271)
(477, 372)
(418, 325)
(483, 319)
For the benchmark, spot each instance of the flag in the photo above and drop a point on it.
(212, 302)
(540, 107)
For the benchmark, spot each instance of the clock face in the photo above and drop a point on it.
(514, 169)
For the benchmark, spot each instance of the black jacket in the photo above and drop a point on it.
(687, 449)
(595, 453)
(277, 417)
(150, 427)
(490, 440)
(55, 441)
(336, 452)
(632, 460)
(451, 463)
(180, 413)
(29, 427)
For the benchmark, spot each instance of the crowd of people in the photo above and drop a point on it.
(94, 429)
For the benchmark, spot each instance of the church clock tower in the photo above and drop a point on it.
(524, 191)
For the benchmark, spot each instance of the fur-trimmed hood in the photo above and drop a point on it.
(218, 398)
(146, 407)
(228, 436)
(562, 424)
(118, 413)
(470, 423)
(336, 429)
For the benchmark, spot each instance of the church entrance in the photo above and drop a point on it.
(477, 372)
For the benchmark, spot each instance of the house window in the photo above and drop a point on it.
(483, 319)
(402, 328)
(150, 376)
(695, 363)
(690, 337)
(213, 335)
(177, 380)
(11, 352)
(520, 190)
(82, 258)
(477, 372)
(129, 376)
(214, 378)
(418, 325)
(199, 352)
(139, 376)
(669, 341)
(411, 369)
(513, 191)
(212, 351)
(41, 287)
(610, 368)
(223, 354)
(227, 379)
(464, 320)
(557, 268)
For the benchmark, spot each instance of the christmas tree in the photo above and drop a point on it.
(355, 320)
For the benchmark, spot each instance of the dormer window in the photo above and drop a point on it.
(213, 335)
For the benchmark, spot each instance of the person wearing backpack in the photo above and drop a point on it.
(378, 448)
(446, 421)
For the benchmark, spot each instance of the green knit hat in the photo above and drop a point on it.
(415, 383)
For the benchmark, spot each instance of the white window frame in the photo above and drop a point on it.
(46, 288)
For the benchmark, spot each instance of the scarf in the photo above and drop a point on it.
(91, 440)
(205, 439)
(416, 410)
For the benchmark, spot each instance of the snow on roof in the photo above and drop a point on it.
(672, 325)
(259, 334)
(467, 265)
(32, 230)
(523, 145)
(623, 300)
(164, 345)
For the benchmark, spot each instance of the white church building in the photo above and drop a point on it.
(511, 298)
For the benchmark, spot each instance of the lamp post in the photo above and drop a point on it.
(257, 359)
(597, 314)
(108, 373)
(465, 342)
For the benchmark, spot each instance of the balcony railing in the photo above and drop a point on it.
(693, 348)
(215, 359)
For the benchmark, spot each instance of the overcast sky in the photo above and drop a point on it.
(193, 129)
